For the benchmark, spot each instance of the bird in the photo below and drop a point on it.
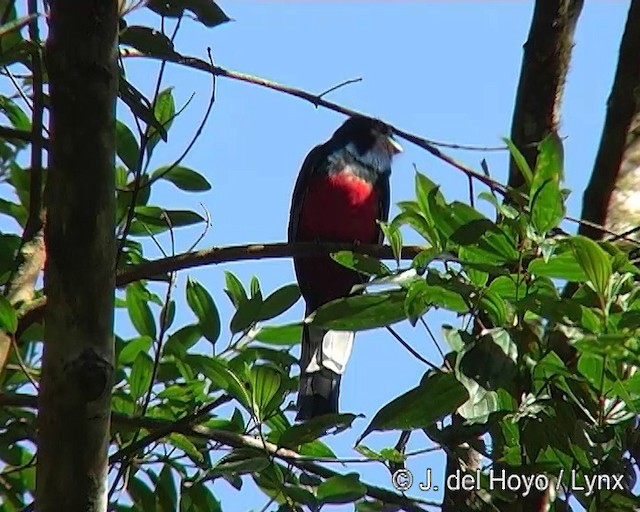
(342, 191)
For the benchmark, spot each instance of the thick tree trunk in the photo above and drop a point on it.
(611, 198)
(74, 398)
(545, 63)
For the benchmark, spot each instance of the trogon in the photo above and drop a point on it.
(341, 192)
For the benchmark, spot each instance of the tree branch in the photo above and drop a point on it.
(234, 440)
(545, 63)
(33, 311)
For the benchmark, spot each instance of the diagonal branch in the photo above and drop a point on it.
(233, 440)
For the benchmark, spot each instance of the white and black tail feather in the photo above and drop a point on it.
(324, 357)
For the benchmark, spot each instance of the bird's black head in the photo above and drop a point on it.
(368, 134)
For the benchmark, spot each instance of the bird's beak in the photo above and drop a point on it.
(395, 147)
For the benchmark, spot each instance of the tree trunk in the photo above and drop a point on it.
(545, 63)
(75, 389)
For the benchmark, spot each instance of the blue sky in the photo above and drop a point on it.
(444, 70)
(447, 71)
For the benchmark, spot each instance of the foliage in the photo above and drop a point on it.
(222, 414)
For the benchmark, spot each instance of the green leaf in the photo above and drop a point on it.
(133, 347)
(234, 289)
(8, 317)
(195, 497)
(490, 361)
(206, 12)
(288, 334)
(595, 262)
(14, 113)
(154, 220)
(266, 392)
(465, 226)
(242, 461)
(547, 209)
(127, 146)
(246, 315)
(166, 491)
(341, 489)
(164, 111)
(520, 160)
(438, 395)
(394, 237)
(140, 494)
(202, 305)
(139, 106)
(422, 294)
(361, 312)
(140, 312)
(561, 266)
(182, 177)
(279, 301)
(182, 340)
(314, 428)
(147, 40)
(361, 263)
(141, 374)
(546, 199)
(495, 307)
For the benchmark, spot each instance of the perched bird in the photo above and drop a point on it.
(340, 193)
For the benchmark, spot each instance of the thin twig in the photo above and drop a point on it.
(338, 86)
(411, 349)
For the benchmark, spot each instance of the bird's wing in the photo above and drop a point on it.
(300, 190)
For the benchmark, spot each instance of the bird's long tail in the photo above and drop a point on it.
(322, 362)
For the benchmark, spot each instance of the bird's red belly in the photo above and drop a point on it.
(340, 208)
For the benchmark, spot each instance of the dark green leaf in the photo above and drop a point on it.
(314, 428)
(141, 374)
(561, 266)
(182, 340)
(206, 11)
(438, 395)
(279, 301)
(234, 289)
(362, 263)
(465, 226)
(140, 106)
(243, 460)
(205, 310)
(166, 490)
(151, 219)
(164, 111)
(341, 489)
(127, 146)
(246, 315)
(288, 334)
(182, 177)
(361, 312)
(14, 113)
(133, 347)
(266, 390)
(140, 312)
(147, 40)
(547, 209)
(595, 262)
(520, 160)
(195, 497)
(8, 317)
(394, 237)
